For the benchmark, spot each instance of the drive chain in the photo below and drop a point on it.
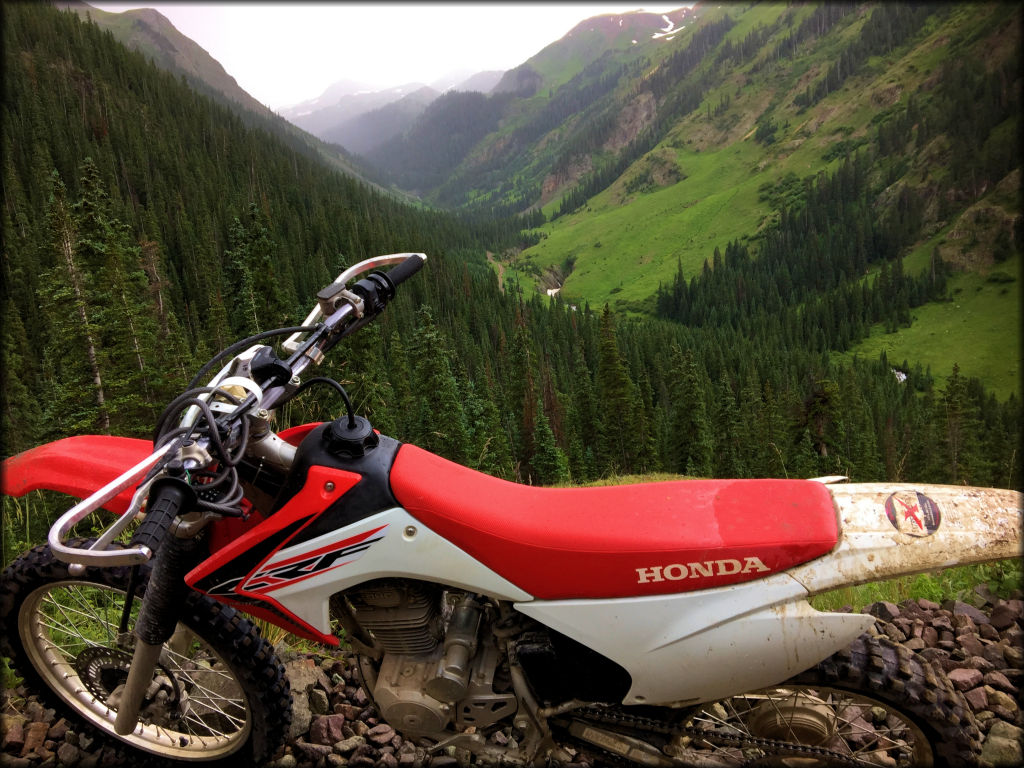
(619, 718)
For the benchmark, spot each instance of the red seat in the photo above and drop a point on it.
(618, 541)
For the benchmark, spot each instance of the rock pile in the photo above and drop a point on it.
(334, 724)
(982, 653)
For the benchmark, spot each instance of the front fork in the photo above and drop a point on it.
(158, 618)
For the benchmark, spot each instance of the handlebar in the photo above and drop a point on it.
(407, 268)
(329, 306)
(168, 498)
(342, 311)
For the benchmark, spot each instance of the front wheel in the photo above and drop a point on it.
(218, 693)
(874, 704)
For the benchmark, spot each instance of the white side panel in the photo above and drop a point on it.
(403, 547)
(701, 646)
(889, 530)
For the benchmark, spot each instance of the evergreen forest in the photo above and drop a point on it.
(147, 226)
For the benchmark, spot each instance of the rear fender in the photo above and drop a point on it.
(889, 530)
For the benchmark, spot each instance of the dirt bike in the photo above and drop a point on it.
(659, 624)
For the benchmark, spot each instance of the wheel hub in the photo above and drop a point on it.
(796, 717)
(104, 672)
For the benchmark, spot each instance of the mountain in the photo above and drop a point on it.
(147, 224)
(367, 130)
(152, 34)
(650, 145)
(483, 82)
(530, 114)
(341, 103)
(360, 119)
(331, 95)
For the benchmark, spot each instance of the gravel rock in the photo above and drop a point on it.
(381, 734)
(335, 725)
(966, 678)
(349, 745)
(1002, 747)
(884, 610)
(327, 729)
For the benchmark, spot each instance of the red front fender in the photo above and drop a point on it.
(77, 466)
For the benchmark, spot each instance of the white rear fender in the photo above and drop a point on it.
(707, 644)
(889, 530)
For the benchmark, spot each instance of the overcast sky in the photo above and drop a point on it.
(284, 53)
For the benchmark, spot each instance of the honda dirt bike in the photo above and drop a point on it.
(660, 624)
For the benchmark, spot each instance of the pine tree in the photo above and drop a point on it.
(615, 392)
(440, 422)
(252, 279)
(489, 450)
(20, 397)
(691, 446)
(959, 419)
(523, 398)
(121, 305)
(549, 461)
(403, 405)
(728, 458)
(79, 401)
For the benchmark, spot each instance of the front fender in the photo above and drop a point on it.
(77, 466)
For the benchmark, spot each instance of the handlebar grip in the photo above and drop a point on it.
(168, 498)
(407, 268)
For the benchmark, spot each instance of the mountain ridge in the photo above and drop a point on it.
(359, 117)
(151, 33)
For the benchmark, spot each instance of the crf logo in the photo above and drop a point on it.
(275, 574)
(680, 571)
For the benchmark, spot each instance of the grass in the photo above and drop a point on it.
(624, 252)
(1001, 577)
(979, 329)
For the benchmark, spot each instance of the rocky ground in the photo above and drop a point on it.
(979, 646)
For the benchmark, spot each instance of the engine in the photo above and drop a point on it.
(402, 616)
(438, 667)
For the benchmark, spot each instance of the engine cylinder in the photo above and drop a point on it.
(403, 616)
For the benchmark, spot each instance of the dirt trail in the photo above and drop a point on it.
(501, 270)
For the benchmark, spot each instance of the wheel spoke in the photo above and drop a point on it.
(64, 618)
(779, 716)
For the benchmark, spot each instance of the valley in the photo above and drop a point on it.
(708, 236)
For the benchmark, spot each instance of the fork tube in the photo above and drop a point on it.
(157, 621)
(140, 674)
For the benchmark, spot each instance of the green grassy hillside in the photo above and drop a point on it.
(978, 329)
(726, 169)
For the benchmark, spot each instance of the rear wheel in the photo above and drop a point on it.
(872, 704)
(218, 693)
